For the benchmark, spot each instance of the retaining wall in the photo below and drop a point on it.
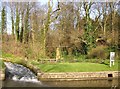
(78, 75)
(2, 75)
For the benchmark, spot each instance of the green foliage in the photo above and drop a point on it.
(49, 29)
(88, 27)
(100, 52)
(12, 58)
(6, 55)
(80, 58)
(1, 64)
(73, 58)
(3, 20)
(68, 58)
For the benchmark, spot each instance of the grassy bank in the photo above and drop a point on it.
(1, 63)
(76, 67)
(85, 66)
(12, 58)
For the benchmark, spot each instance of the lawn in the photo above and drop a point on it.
(76, 67)
(81, 66)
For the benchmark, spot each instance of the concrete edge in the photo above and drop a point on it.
(71, 76)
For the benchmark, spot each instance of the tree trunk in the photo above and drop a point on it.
(17, 24)
(21, 35)
(13, 35)
(46, 27)
(104, 29)
(22, 29)
(26, 30)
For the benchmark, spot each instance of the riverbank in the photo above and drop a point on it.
(69, 71)
(68, 76)
(87, 65)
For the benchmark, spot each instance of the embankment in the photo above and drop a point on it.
(2, 75)
(78, 75)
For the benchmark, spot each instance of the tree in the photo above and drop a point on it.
(118, 10)
(104, 11)
(50, 12)
(46, 28)
(66, 25)
(113, 14)
(12, 6)
(3, 21)
(22, 11)
(88, 35)
(26, 30)
(17, 24)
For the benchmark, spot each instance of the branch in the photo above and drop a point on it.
(58, 8)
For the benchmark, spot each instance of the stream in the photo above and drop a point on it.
(20, 76)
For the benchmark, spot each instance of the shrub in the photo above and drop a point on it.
(100, 52)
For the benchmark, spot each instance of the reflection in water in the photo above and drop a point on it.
(86, 83)
(12, 83)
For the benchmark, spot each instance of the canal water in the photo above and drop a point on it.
(85, 83)
(19, 76)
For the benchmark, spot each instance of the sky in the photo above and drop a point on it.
(9, 29)
(9, 24)
(42, 2)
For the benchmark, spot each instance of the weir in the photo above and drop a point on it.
(18, 72)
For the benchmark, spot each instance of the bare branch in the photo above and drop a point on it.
(58, 8)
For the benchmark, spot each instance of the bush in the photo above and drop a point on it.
(100, 52)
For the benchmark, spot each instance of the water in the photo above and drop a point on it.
(20, 76)
(86, 83)
(13, 83)
(19, 72)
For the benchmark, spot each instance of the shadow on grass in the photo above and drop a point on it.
(50, 69)
(104, 63)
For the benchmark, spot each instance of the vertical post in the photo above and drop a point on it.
(112, 56)
(58, 56)
(110, 63)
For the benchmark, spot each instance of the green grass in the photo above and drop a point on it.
(12, 58)
(1, 64)
(76, 67)
(80, 66)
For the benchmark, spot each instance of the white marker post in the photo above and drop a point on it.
(112, 56)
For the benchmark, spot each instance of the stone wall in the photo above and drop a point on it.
(78, 75)
(2, 75)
